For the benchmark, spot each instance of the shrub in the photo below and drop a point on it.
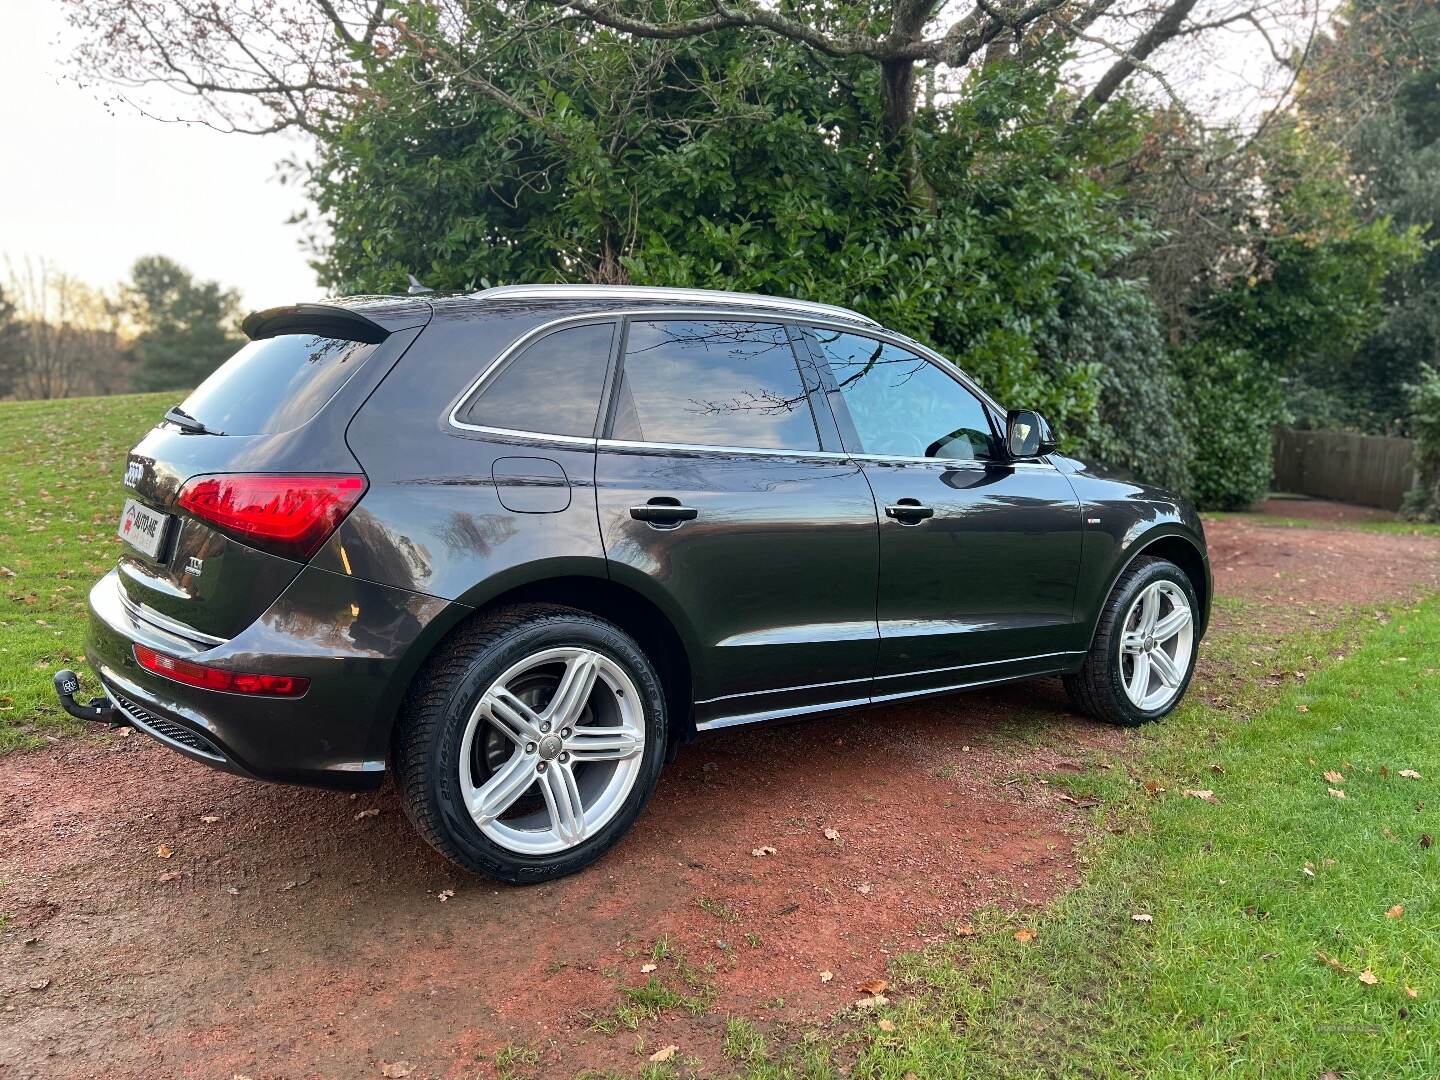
(1232, 404)
(1422, 502)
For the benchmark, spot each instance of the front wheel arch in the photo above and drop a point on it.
(1174, 547)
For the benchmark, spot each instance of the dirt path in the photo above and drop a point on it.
(293, 937)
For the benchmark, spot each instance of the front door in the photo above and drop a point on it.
(979, 553)
(724, 496)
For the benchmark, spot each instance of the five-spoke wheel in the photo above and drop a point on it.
(551, 750)
(1155, 646)
(531, 742)
(1143, 652)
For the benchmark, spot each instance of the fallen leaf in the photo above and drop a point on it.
(1410, 774)
(645, 969)
(170, 875)
(1152, 787)
(1367, 977)
(1205, 795)
(1333, 777)
(1331, 962)
(872, 1002)
(826, 976)
(1142, 917)
(1308, 871)
(665, 1053)
(40, 984)
(1218, 770)
(396, 1069)
(1302, 708)
(164, 851)
(832, 834)
(1411, 992)
(965, 931)
(873, 986)
(1384, 770)
(233, 890)
(374, 811)
(863, 888)
(445, 894)
(1426, 840)
(1336, 793)
(1395, 912)
(1024, 935)
(761, 852)
(887, 1025)
(209, 819)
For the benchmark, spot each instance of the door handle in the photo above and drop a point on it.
(663, 512)
(909, 512)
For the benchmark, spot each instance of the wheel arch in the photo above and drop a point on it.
(1175, 546)
(629, 609)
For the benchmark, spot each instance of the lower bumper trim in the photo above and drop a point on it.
(174, 735)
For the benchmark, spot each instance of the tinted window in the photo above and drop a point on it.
(717, 383)
(552, 387)
(903, 405)
(275, 384)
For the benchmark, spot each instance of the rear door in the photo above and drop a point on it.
(979, 553)
(724, 495)
(279, 406)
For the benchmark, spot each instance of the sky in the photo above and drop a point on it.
(92, 187)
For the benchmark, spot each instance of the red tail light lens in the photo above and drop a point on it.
(213, 678)
(291, 516)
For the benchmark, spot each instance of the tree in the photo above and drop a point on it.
(260, 67)
(10, 345)
(186, 327)
(66, 342)
(1375, 91)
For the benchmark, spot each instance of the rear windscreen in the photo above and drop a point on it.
(275, 384)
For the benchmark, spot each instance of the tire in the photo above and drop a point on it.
(1107, 685)
(470, 729)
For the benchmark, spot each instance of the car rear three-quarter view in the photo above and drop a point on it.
(516, 547)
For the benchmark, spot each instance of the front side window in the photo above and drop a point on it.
(552, 388)
(713, 383)
(902, 405)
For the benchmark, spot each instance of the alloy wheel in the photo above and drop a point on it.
(1156, 642)
(552, 750)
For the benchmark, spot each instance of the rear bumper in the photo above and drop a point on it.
(359, 643)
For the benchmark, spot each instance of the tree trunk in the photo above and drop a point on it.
(897, 84)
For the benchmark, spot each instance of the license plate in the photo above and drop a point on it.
(143, 528)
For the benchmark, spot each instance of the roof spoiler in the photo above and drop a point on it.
(328, 320)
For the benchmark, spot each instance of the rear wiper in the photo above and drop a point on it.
(185, 422)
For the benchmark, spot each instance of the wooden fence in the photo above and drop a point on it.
(1369, 470)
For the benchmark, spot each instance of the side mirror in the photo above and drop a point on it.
(1027, 434)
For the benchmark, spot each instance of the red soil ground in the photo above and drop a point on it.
(290, 937)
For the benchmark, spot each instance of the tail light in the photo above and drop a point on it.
(213, 678)
(291, 516)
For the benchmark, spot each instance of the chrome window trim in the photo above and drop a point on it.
(631, 293)
(759, 451)
(874, 331)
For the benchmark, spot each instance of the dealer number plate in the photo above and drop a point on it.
(143, 528)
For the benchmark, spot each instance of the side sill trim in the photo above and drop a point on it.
(741, 719)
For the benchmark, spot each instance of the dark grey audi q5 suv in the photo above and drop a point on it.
(516, 547)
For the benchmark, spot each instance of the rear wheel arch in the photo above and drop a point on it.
(626, 608)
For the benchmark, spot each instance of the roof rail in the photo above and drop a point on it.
(657, 293)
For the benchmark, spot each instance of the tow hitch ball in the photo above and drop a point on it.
(100, 710)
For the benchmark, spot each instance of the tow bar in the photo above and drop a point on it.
(99, 710)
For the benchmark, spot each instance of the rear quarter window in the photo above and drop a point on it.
(275, 384)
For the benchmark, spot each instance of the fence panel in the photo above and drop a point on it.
(1368, 470)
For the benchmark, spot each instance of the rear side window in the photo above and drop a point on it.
(552, 387)
(275, 384)
(713, 383)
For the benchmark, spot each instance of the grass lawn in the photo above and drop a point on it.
(1275, 521)
(63, 462)
(1274, 941)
